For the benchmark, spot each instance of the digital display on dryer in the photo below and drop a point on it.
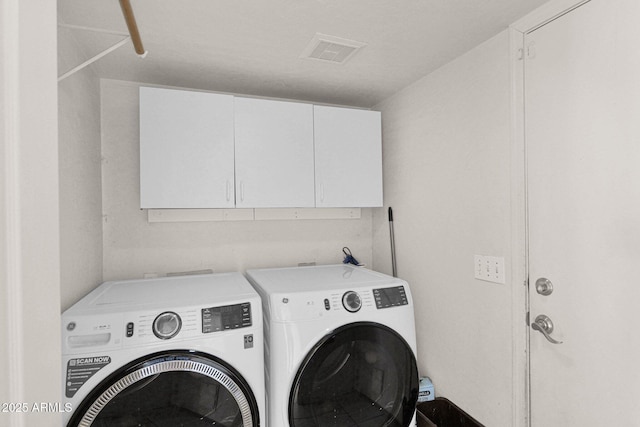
(215, 319)
(390, 297)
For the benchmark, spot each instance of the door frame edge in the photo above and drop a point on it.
(519, 268)
(545, 14)
(29, 212)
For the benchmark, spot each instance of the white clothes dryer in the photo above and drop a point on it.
(339, 347)
(173, 351)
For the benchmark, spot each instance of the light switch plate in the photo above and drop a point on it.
(489, 268)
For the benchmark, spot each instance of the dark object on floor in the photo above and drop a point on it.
(441, 412)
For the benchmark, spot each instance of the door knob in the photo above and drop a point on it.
(544, 325)
(544, 286)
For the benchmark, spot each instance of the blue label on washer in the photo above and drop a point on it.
(80, 370)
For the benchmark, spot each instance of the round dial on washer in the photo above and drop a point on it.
(351, 301)
(167, 325)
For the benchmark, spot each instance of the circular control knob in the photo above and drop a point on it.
(351, 301)
(167, 325)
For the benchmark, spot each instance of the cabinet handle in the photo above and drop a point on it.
(322, 192)
(228, 190)
(242, 191)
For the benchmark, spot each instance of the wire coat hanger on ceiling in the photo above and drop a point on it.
(134, 36)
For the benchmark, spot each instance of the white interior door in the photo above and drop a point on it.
(582, 106)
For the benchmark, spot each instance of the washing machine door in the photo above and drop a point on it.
(178, 388)
(362, 374)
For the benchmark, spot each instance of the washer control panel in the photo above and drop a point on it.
(226, 317)
(390, 297)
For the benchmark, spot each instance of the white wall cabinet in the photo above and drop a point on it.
(206, 150)
(348, 157)
(273, 154)
(186, 149)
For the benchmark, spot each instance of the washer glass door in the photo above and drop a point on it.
(171, 389)
(362, 374)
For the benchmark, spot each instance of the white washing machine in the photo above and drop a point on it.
(173, 351)
(339, 347)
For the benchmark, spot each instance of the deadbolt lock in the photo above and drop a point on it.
(544, 286)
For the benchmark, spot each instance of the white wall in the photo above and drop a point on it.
(79, 171)
(5, 354)
(132, 246)
(446, 151)
(29, 243)
(446, 160)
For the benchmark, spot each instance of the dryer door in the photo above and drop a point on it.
(362, 374)
(178, 388)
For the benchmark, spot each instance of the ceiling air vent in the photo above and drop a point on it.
(331, 49)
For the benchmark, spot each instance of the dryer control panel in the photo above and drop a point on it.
(300, 306)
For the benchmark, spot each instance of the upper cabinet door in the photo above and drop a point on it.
(274, 154)
(186, 149)
(348, 157)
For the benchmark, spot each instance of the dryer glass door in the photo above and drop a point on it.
(171, 389)
(362, 374)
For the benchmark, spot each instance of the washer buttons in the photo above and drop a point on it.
(129, 329)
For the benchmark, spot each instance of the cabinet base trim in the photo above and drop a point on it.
(206, 215)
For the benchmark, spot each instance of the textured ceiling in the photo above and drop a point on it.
(254, 46)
